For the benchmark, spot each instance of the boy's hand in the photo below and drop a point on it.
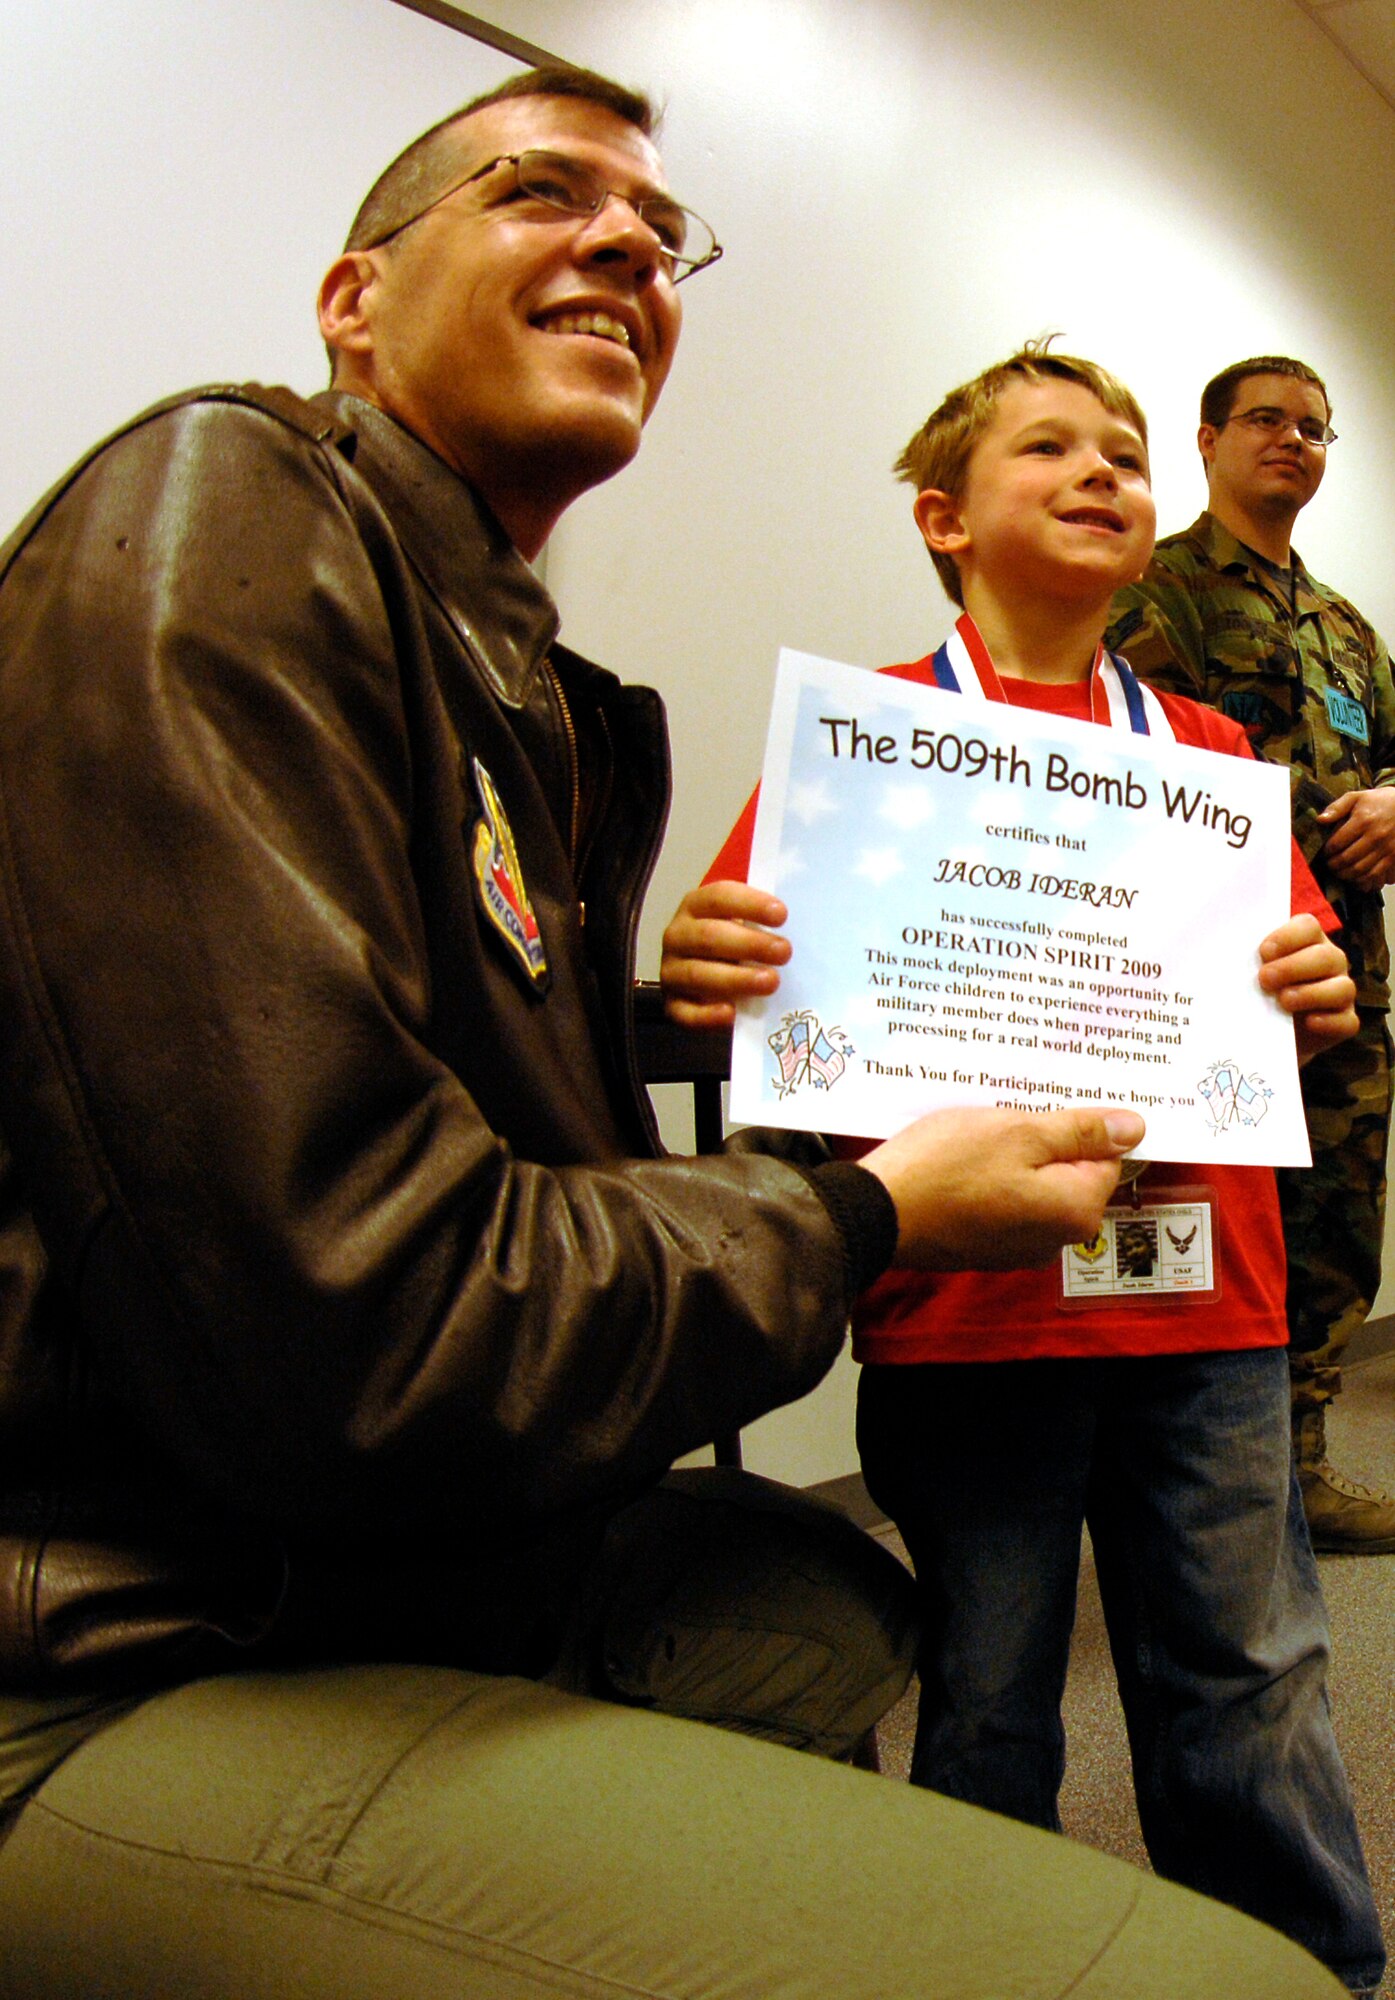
(979, 1190)
(1307, 975)
(714, 954)
(1361, 845)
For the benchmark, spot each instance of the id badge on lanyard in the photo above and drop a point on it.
(1152, 1245)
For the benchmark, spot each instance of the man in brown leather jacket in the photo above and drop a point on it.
(351, 1315)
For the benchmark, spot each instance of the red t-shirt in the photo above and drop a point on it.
(909, 1316)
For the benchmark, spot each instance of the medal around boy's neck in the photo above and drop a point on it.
(1037, 648)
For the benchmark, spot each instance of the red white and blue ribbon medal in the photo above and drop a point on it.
(499, 879)
(1118, 699)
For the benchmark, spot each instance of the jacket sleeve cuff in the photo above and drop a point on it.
(864, 1215)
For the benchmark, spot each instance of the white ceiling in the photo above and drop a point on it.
(1364, 30)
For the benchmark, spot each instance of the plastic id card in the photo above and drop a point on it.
(1165, 1245)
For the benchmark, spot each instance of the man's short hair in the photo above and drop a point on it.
(938, 455)
(422, 172)
(1219, 395)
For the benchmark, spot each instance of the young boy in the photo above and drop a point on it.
(994, 1423)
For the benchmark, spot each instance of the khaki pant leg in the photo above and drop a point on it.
(395, 1833)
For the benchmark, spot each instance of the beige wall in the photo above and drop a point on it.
(176, 176)
(906, 188)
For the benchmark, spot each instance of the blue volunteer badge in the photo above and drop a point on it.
(1347, 717)
(499, 879)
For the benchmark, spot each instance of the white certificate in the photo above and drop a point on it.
(992, 906)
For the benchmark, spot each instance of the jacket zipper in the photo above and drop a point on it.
(574, 770)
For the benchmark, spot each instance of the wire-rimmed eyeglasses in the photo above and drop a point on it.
(686, 243)
(1271, 422)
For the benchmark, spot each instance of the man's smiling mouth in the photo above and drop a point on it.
(599, 325)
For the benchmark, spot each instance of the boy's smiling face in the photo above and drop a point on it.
(1056, 502)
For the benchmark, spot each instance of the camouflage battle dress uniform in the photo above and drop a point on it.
(1310, 683)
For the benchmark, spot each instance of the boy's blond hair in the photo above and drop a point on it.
(938, 455)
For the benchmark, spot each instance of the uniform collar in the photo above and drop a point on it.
(490, 595)
(1227, 551)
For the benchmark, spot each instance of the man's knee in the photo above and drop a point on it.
(727, 1598)
(378, 1831)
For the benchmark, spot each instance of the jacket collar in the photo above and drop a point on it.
(490, 595)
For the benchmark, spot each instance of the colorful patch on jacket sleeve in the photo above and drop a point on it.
(499, 878)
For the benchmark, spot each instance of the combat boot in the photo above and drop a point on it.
(1344, 1518)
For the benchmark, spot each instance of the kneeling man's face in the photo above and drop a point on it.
(517, 339)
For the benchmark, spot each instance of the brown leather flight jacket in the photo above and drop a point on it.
(343, 1293)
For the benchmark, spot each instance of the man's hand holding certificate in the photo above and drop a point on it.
(989, 906)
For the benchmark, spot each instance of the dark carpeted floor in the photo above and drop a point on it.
(1097, 1799)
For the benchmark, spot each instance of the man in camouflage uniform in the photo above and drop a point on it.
(1228, 614)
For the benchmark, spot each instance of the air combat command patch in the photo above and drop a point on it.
(499, 879)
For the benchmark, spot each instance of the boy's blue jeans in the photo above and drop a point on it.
(1181, 1466)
